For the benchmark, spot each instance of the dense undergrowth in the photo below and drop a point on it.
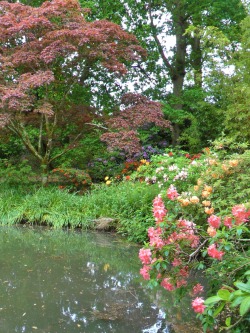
(208, 193)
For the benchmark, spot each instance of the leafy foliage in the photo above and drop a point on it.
(45, 53)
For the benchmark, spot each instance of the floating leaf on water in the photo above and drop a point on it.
(106, 267)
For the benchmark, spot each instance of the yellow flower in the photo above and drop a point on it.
(208, 188)
(199, 182)
(194, 199)
(108, 182)
(209, 211)
(106, 178)
(185, 202)
(224, 167)
(233, 163)
(143, 161)
(211, 231)
(196, 188)
(212, 162)
(205, 194)
(206, 203)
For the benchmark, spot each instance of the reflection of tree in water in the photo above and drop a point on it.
(180, 316)
(113, 302)
(69, 284)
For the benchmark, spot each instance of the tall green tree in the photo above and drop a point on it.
(176, 60)
(237, 115)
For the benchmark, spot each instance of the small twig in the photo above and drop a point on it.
(197, 250)
(235, 324)
(97, 125)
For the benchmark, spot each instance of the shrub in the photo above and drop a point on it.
(205, 227)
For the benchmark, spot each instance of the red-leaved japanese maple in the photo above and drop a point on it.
(137, 112)
(44, 52)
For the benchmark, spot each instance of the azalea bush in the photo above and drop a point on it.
(73, 179)
(197, 229)
(172, 167)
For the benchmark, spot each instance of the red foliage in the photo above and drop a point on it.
(137, 111)
(46, 45)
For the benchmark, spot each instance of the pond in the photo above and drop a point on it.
(55, 281)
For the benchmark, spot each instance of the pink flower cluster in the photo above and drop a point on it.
(228, 221)
(187, 232)
(214, 221)
(198, 305)
(172, 193)
(214, 253)
(165, 283)
(155, 238)
(144, 271)
(145, 256)
(240, 214)
(159, 210)
(198, 288)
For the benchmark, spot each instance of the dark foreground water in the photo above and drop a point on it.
(64, 281)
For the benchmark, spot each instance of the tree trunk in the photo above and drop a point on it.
(45, 172)
(179, 70)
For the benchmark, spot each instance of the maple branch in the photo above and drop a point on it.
(20, 131)
(97, 125)
(65, 149)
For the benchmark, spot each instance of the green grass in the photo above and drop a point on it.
(129, 203)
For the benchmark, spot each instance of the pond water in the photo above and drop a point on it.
(65, 281)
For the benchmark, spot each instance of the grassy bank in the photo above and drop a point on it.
(129, 203)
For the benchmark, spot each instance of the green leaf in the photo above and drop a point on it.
(227, 247)
(245, 306)
(219, 309)
(237, 301)
(212, 299)
(239, 232)
(243, 286)
(228, 321)
(224, 294)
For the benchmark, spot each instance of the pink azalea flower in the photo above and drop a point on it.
(214, 253)
(176, 262)
(172, 193)
(184, 272)
(198, 305)
(241, 216)
(181, 283)
(214, 221)
(228, 221)
(155, 237)
(144, 271)
(198, 288)
(145, 256)
(165, 283)
(186, 226)
(159, 209)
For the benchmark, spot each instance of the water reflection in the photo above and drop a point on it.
(54, 281)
